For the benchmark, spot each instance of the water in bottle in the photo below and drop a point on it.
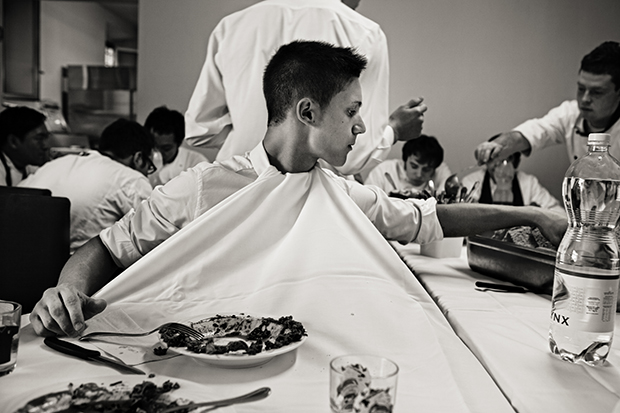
(587, 267)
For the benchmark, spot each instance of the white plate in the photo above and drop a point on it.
(237, 361)
(189, 390)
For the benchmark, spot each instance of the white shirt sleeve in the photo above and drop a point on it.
(207, 114)
(551, 129)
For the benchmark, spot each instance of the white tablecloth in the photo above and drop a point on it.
(508, 333)
(296, 246)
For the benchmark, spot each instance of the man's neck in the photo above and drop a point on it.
(285, 147)
(20, 166)
(604, 124)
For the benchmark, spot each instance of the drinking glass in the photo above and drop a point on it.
(10, 317)
(362, 383)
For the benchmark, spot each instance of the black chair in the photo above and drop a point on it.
(34, 244)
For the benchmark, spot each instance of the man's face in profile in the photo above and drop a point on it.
(597, 97)
(34, 147)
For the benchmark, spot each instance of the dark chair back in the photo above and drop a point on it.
(34, 244)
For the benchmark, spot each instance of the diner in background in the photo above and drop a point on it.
(307, 120)
(102, 185)
(421, 161)
(502, 183)
(227, 108)
(24, 143)
(168, 129)
(595, 110)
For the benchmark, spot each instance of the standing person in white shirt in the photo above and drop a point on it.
(596, 110)
(168, 129)
(102, 185)
(503, 183)
(422, 161)
(227, 109)
(24, 143)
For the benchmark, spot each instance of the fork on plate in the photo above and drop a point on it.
(178, 327)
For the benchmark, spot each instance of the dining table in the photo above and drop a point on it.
(508, 333)
(320, 261)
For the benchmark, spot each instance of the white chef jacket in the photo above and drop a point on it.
(185, 159)
(174, 205)
(228, 109)
(100, 189)
(395, 168)
(531, 189)
(559, 126)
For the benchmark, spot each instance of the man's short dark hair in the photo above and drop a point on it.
(18, 121)
(164, 121)
(604, 60)
(426, 148)
(317, 70)
(125, 137)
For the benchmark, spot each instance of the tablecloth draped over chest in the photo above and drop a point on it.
(297, 245)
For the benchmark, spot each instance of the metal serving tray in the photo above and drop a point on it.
(532, 268)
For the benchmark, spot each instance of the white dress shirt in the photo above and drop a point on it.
(174, 205)
(100, 189)
(531, 189)
(559, 126)
(185, 159)
(228, 109)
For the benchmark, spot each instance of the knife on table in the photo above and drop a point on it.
(87, 354)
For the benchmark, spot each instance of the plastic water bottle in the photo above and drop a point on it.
(587, 266)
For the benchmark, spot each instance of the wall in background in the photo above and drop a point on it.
(483, 66)
(82, 25)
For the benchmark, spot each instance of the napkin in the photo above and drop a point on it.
(131, 350)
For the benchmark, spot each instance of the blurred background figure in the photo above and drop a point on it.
(102, 185)
(502, 183)
(595, 110)
(24, 143)
(422, 161)
(168, 129)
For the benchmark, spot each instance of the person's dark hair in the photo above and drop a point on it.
(515, 157)
(125, 137)
(317, 70)
(604, 60)
(164, 121)
(18, 121)
(426, 148)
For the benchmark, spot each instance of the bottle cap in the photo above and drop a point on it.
(599, 139)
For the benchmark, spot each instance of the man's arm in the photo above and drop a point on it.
(63, 309)
(464, 219)
(503, 146)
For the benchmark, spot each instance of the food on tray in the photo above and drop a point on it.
(237, 334)
(523, 236)
(118, 397)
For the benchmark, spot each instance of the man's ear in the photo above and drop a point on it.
(306, 111)
(13, 141)
(137, 160)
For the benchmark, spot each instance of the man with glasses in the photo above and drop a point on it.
(102, 185)
(24, 143)
(596, 110)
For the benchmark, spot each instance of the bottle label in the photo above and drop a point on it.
(584, 302)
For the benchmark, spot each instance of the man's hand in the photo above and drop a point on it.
(62, 311)
(502, 147)
(407, 120)
(552, 224)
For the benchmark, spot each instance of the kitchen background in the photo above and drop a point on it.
(483, 66)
